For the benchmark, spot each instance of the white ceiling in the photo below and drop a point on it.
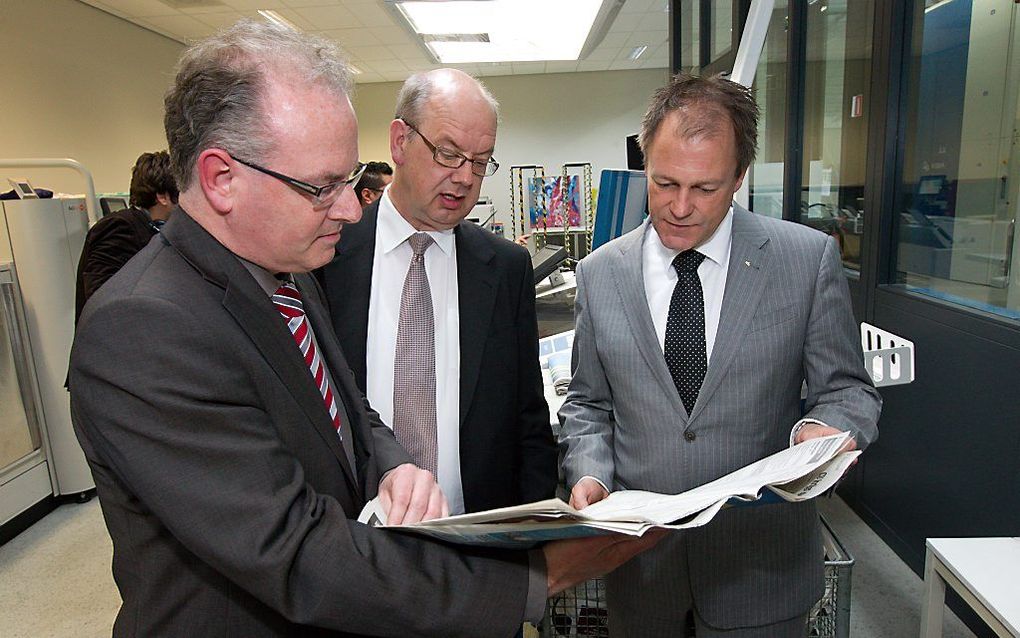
(379, 45)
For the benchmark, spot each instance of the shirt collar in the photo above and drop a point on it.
(266, 280)
(393, 230)
(717, 248)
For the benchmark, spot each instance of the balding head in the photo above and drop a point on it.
(445, 85)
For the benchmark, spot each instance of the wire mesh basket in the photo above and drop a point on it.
(581, 611)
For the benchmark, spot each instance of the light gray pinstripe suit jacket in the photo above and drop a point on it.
(785, 317)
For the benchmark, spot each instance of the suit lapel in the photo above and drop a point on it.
(476, 291)
(343, 384)
(348, 284)
(630, 285)
(248, 304)
(746, 275)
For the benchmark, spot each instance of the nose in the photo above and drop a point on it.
(682, 204)
(463, 175)
(346, 208)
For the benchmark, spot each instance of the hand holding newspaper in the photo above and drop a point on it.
(794, 474)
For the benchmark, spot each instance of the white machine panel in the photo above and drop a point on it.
(46, 237)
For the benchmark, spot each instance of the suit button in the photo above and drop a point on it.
(690, 436)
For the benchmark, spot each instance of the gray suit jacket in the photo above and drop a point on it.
(786, 317)
(224, 486)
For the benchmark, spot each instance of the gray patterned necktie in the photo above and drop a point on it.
(414, 363)
(685, 350)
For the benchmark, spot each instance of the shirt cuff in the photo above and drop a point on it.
(597, 481)
(538, 589)
(800, 425)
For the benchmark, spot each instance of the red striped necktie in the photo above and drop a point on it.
(287, 300)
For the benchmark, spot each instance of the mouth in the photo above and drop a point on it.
(451, 201)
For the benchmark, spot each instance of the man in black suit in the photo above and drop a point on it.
(231, 453)
(118, 236)
(483, 414)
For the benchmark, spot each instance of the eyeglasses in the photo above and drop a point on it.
(322, 196)
(453, 159)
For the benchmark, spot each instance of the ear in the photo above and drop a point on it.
(217, 179)
(399, 133)
(163, 199)
(366, 195)
(740, 181)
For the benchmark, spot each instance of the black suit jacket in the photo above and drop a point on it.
(507, 451)
(109, 245)
(224, 486)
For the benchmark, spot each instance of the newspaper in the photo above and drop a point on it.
(798, 473)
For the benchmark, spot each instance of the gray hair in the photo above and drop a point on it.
(417, 91)
(216, 100)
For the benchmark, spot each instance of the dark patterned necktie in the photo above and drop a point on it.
(414, 364)
(287, 300)
(684, 348)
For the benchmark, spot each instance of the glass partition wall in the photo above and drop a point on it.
(956, 222)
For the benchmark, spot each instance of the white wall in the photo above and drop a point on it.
(83, 84)
(545, 119)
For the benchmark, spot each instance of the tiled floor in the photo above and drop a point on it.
(55, 579)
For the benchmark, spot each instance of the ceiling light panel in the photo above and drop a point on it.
(517, 30)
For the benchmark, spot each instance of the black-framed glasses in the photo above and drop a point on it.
(321, 195)
(452, 159)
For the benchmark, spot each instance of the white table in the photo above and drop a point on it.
(985, 572)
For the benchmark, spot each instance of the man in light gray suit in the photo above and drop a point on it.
(694, 334)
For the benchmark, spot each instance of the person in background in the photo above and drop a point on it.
(373, 182)
(232, 453)
(118, 236)
(437, 316)
(694, 335)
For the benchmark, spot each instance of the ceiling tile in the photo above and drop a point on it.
(366, 78)
(298, 4)
(388, 66)
(251, 6)
(351, 38)
(625, 22)
(592, 65)
(219, 20)
(560, 67)
(604, 53)
(372, 53)
(406, 51)
(371, 14)
(182, 26)
(392, 35)
(394, 76)
(644, 38)
(140, 8)
(653, 22)
(527, 68)
(332, 17)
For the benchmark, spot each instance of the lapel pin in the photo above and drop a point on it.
(747, 263)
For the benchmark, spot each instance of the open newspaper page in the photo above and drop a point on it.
(554, 357)
(794, 474)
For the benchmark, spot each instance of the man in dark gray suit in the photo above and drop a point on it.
(694, 335)
(231, 453)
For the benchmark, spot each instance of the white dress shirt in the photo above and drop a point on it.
(660, 278)
(389, 269)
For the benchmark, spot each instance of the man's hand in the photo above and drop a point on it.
(573, 561)
(409, 494)
(817, 430)
(586, 492)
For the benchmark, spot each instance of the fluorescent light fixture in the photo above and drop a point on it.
(637, 52)
(940, 3)
(353, 69)
(472, 31)
(277, 19)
